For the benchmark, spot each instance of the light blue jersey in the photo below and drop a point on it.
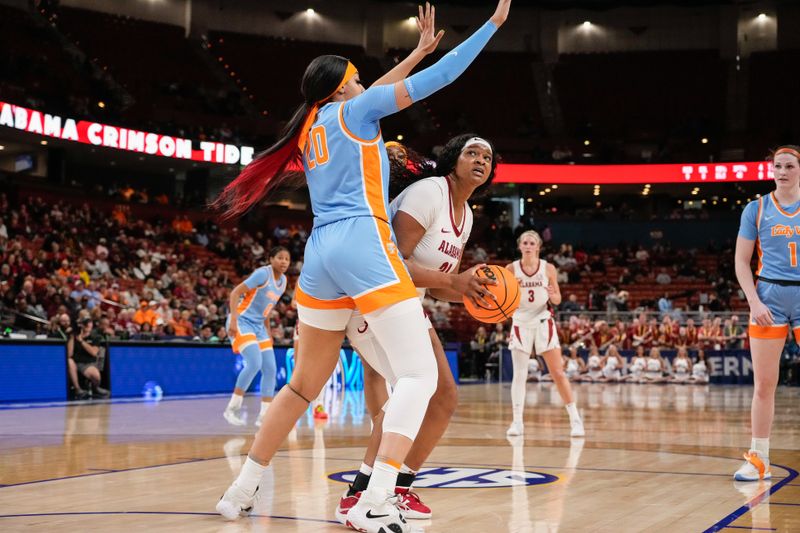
(263, 292)
(348, 176)
(776, 230)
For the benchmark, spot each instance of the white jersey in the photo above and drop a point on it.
(681, 365)
(573, 367)
(429, 202)
(653, 365)
(699, 369)
(534, 298)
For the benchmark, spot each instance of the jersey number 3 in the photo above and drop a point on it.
(317, 147)
(530, 295)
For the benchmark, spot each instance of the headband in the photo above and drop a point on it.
(311, 115)
(479, 142)
(395, 144)
(790, 151)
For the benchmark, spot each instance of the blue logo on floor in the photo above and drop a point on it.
(465, 478)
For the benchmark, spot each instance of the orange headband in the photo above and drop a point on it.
(311, 116)
(790, 151)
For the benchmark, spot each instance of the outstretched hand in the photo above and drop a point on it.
(501, 13)
(426, 23)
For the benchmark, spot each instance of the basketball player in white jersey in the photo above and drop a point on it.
(533, 331)
(432, 221)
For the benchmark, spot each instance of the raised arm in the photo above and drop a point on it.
(380, 101)
(428, 41)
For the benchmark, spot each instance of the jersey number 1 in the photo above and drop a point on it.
(793, 254)
(317, 147)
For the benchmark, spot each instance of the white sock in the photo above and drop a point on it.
(365, 469)
(761, 446)
(572, 409)
(264, 407)
(250, 476)
(406, 470)
(235, 402)
(382, 482)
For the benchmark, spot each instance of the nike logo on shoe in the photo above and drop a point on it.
(371, 516)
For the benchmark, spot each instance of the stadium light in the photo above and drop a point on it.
(310, 11)
(43, 142)
(101, 104)
(587, 142)
(587, 24)
(2, 147)
(761, 17)
(704, 140)
(400, 137)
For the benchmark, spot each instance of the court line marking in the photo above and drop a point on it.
(112, 401)
(179, 513)
(754, 502)
(784, 503)
(722, 524)
(752, 528)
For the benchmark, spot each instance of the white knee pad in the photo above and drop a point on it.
(402, 333)
(364, 342)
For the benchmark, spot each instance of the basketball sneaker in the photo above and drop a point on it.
(410, 505)
(515, 429)
(319, 413)
(236, 503)
(232, 416)
(346, 503)
(755, 467)
(576, 428)
(380, 516)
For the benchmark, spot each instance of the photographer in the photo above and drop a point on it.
(83, 351)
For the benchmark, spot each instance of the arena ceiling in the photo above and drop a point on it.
(586, 4)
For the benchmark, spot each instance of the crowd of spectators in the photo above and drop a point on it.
(62, 263)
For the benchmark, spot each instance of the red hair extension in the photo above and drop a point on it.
(262, 175)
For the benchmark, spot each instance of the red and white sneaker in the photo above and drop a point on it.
(345, 504)
(319, 413)
(410, 505)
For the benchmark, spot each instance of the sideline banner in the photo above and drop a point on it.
(97, 134)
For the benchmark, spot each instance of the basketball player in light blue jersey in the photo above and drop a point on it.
(770, 225)
(351, 259)
(248, 327)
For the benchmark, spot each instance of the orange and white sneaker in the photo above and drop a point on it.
(410, 505)
(755, 467)
(345, 504)
(319, 413)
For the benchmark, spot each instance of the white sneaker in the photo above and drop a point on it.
(755, 467)
(515, 429)
(235, 503)
(260, 418)
(232, 416)
(381, 517)
(576, 428)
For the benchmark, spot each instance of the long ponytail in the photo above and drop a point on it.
(282, 162)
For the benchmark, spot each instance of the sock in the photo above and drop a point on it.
(761, 446)
(235, 402)
(264, 407)
(382, 481)
(572, 409)
(405, 478)
(250, 476)
(361, 481)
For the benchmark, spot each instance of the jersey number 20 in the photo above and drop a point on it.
(317, 147)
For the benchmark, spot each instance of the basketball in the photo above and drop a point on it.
(506, 293)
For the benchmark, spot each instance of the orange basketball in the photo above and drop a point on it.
(506, 293)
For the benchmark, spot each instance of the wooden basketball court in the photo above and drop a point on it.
(656, 458)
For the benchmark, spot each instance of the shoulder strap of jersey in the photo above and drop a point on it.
(760, 212)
